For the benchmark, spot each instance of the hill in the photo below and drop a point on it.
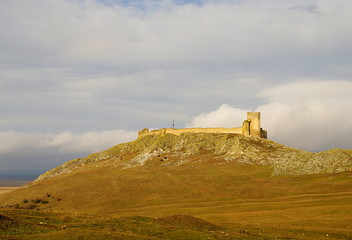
(226, 179)
(177, 150)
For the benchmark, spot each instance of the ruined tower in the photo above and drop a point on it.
(254, 123)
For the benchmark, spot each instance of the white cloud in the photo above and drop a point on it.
(12, 143)
(309, 91)
(224, 116)
(34, 153)
(91, 32)
(90, 141)
(310, 115)
(307, 115)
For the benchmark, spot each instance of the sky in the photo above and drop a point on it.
(79, 76)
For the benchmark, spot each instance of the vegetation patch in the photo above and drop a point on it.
(188, 222)
(34, 203)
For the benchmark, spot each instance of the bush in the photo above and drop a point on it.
(37, 200)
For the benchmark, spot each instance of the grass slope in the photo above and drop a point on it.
(174, 192)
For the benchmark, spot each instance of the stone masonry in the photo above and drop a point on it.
(250, 127)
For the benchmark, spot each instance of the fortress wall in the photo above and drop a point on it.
(204, 130)
(177, 132)
(250, 127)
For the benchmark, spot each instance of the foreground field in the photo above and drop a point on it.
(197, 202)
(311, 216)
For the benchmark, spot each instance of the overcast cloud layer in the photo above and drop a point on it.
(313, 116)
(72, 72)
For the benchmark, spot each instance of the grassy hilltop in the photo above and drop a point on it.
(192, 186)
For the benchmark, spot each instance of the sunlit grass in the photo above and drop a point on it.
(244, 200)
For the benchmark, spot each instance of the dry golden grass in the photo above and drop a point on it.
(10, 185)
(244, 199)
(6, 189)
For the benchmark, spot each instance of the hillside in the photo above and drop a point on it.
(194, 164)
(222, 178)
(178, 150)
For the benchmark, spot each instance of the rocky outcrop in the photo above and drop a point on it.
(224, 146)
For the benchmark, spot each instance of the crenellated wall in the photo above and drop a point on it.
(250, 127)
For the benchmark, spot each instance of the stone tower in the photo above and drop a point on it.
(254, 124)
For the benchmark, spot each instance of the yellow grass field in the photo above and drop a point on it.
(243, 200)
(6, 189)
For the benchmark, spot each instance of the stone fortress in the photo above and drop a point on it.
(250, 127)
